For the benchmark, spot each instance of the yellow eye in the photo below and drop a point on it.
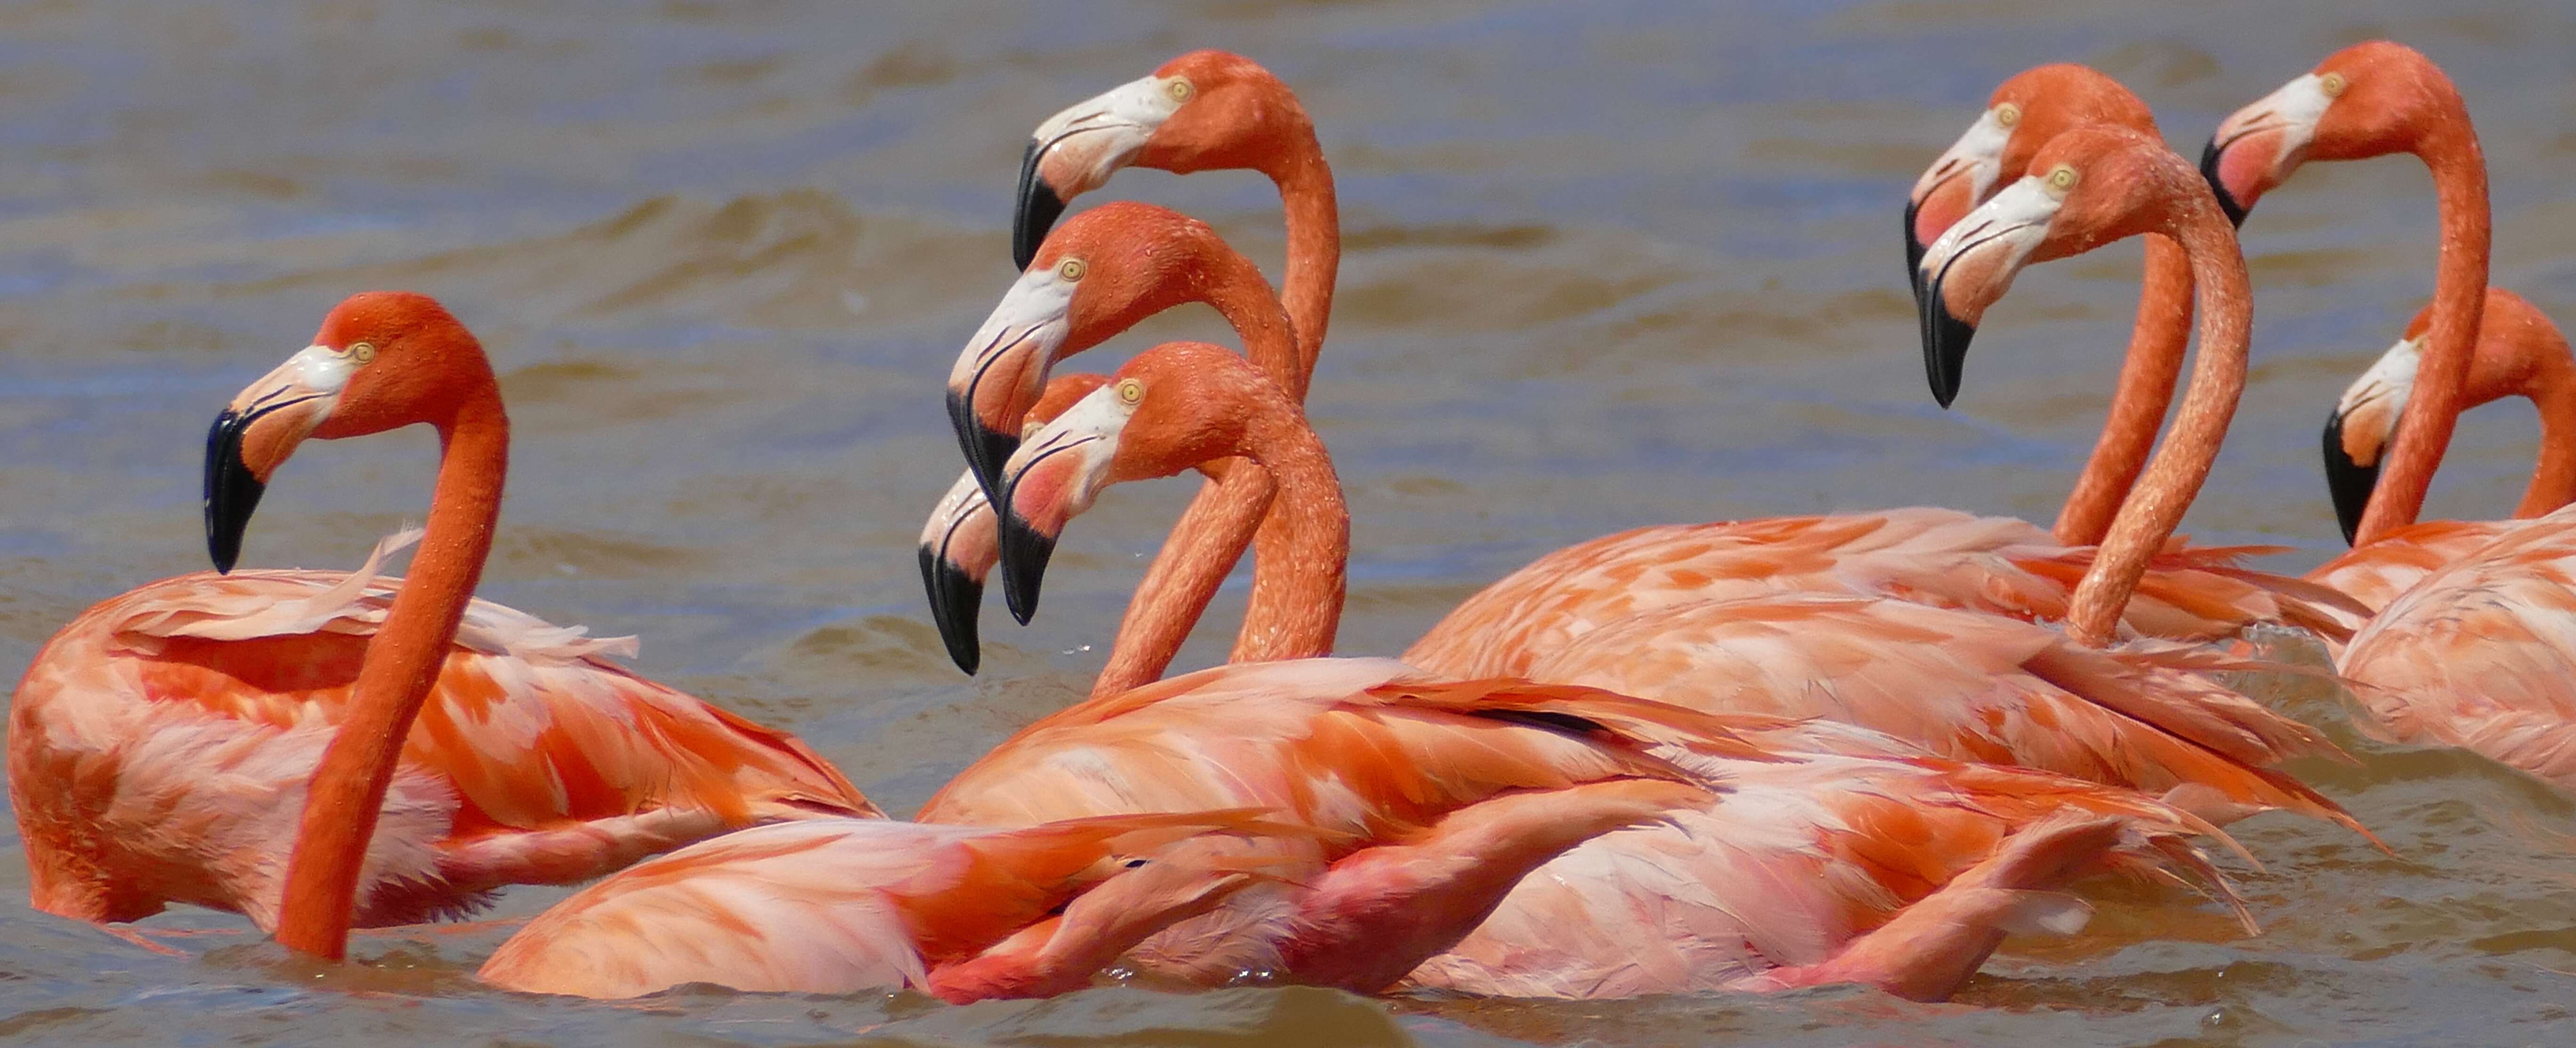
(1130, 391)
(1179, 89)
(2007, 114)
(2060, 179)
(363, 352)
(2332, 84)
(1071, 269)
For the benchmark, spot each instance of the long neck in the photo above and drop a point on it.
(402, 663)
(1202, 550)
(1213, 532)
(1296, 603)
(2450, 149)
(2225, 305)
(1314, 244)
(2553, 390)
(2146, 388)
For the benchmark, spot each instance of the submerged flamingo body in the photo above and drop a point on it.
(1939, 557)
(160, 745)
(2481, 654)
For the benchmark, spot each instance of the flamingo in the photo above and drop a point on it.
(2025, 112)
(968, 913)
(1178, 743)
(2374, 99)
(161, 744)
(2518, 353)
(1104, 271)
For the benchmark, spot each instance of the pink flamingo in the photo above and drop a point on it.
(1181, 743)
(2374, 99)
(2518, 353)
(161, 744)
(2024, 113)
(1107, 269)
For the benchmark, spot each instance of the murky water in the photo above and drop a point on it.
(1609, 264)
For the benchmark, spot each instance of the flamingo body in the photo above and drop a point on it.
(2481, 652)
(159, 748)
(1933, 556)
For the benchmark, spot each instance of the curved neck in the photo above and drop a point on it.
(1314, 244)
(2552, 389)
(2146, 388)
(2450, 149)
(2173, 479)
(348, 786)
(1193, 563)
(1219, 524)
(1296, 603)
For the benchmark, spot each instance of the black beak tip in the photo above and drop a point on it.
(1913, 250)
(1035, 212)
(987, 449)
(232, 493)
(955, 597)
(2348, 482)
(1024, 562)
(1945, 344)
(2209, 155)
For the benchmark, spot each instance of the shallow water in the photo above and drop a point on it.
(1609, 264)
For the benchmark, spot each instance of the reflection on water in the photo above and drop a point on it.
(1608, 264)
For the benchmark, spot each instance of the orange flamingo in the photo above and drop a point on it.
(161, 744)
(1202, 111)
(1107, 269)
(1181, 743)
(2374, 99)
(964, 912)
(2518, 353)
(2024, 113)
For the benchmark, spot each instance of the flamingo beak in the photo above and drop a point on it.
(1077, 149)
(1051, 479)
(256, 433)
(2257, 147)
(1969, 268)
(1951, 187)
(2363, 423)
(959, 547)
(1003, 369)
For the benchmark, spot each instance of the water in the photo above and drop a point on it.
(1609, 264)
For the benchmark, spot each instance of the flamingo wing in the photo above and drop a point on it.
(2375, 574)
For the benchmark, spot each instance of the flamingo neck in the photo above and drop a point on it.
(2552, 389)
(2225, 305)
(1314, 243)
(1296, 604)
(2449, 147)
(1212, 534)
(347, 790)
(2147, 376)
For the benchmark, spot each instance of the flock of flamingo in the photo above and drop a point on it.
(1860, 747)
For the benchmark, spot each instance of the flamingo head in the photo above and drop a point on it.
(1169, 409)
(382, 360)
(961, 542)
(2024, 113)
(1205, 110)
(2518, 349)
(2367, 100)
(2086, 187)
(1106, 270)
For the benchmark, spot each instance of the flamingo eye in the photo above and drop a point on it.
(1130, 391)
(2007, 114)
(2060, 179)
(1071, 269)
(2332, 84)
(363, 352)
(1180, 89)
(1134, 863)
